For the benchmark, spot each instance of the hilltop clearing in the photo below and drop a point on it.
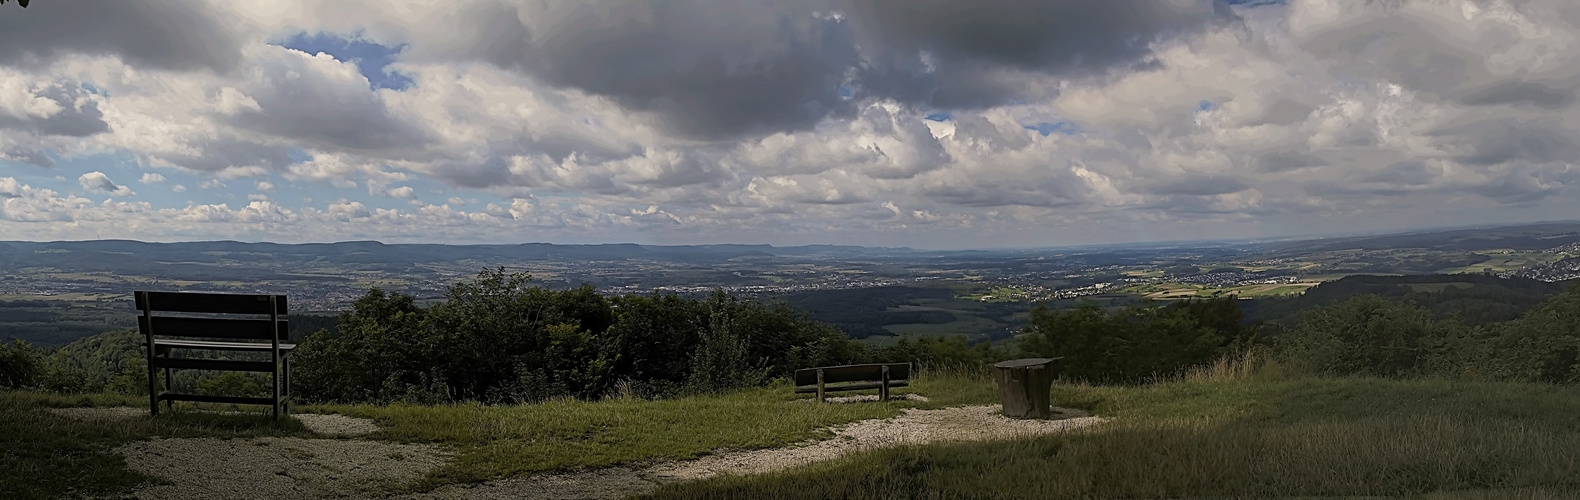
(1224, 432)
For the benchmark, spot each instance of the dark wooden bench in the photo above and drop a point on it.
(215, 322)
(881, 376)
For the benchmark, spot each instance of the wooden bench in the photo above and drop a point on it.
(215, 322)
(881, 376)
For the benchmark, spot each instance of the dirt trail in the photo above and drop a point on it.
(353, 468)
(969, 423)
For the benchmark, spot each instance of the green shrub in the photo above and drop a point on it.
(1136, 342)
(497, 339)
(231, 384)
(20, 365)
(1371, 335)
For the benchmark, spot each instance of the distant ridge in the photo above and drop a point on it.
(92, 255)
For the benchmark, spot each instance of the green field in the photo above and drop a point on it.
(973, 320)
(1233, 437)
(1505, 262)
(1169, 291)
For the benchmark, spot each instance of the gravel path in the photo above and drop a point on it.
(967, 423)
(336, 425)
(317, 468)
(274, 468)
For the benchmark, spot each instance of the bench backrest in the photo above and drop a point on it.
(853, 373)
(211, 315)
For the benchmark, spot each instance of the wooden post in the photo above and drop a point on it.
(148, 336)
(820, 385)
(883, 392)
(1023, 387)
(274, 338)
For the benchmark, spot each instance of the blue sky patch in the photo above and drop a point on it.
(371, 58)
(298, 155)
(1204, 105)
(1256, 3)
(1046, 128)
(940, 116)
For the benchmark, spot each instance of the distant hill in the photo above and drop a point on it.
(199, 260)
(1521, 237)
(1473, 298)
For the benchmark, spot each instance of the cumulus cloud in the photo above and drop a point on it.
(97, 181)
(854, 120)
(54, 108)
(151, 178)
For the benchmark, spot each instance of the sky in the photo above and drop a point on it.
(922, 123)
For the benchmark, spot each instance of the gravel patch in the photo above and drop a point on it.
(913, 427)
(336, 425)
(866, 398)
(273, 468)
(600, 484)
(968, 423)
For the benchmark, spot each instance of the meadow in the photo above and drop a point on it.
(1232, 430)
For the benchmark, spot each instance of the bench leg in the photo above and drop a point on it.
(883, 391)
(285, 371)
(820, 386)
(169, 384)
(153, 385)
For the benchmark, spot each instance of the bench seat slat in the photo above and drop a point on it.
(207, 398)
(225, 303)
(214, 364)
(852, 373)
(851, 387)
(227, 328)
(219, 346)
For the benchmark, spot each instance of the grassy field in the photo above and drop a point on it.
(43, 455)
(970, 320)
(503, 441)
(1505, 262)
(1218, 433)
(1258, 437)
(1168, 291)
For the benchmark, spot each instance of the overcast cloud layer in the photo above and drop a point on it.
(926, 123)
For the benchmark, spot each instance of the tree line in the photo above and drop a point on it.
(500, 339)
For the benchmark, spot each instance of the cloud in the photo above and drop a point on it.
(48, 108)
(1518, 92)
(401, 192)
(730, 70)
(163, 34)
(1284, 161)
(1202, 186)
(827, 120)
(97, 181)
(151, 178)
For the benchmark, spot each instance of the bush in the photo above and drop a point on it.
(1136, 342)
(20, 365)
(496, 339)
(1370, 335)
(231, 384)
